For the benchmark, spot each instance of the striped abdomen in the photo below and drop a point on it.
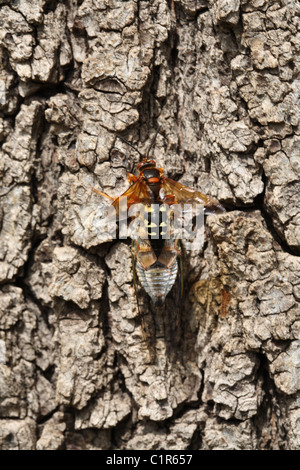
(157, 280)
(155, 250)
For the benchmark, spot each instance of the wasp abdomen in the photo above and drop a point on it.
(157, 281)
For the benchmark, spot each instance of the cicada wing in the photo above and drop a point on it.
(147, 324)
(185, 195)
(135, 280)
(177, 331)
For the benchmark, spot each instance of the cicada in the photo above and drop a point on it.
(155, 236)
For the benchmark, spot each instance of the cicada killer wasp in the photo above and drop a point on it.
(156, 251)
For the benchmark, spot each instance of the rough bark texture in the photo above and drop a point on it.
(76, 369)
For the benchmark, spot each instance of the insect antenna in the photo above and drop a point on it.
(152, 142)
(137, 150)
(130, 144)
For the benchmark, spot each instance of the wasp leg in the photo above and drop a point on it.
(101, 193)
(131, 178)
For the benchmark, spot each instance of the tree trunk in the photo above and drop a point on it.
(81, 367)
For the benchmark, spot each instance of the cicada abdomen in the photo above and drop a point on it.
(156, 250)
(157, 281)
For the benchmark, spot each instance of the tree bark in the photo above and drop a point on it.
(80, 366)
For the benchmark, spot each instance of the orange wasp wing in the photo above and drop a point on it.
(136, 193)
(185, 195)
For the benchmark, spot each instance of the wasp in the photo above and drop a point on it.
(156, 245)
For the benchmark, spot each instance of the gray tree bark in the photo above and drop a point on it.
(222, 79)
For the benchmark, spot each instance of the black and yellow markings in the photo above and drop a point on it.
(163, 224)
(156, 219)
(150, 225)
